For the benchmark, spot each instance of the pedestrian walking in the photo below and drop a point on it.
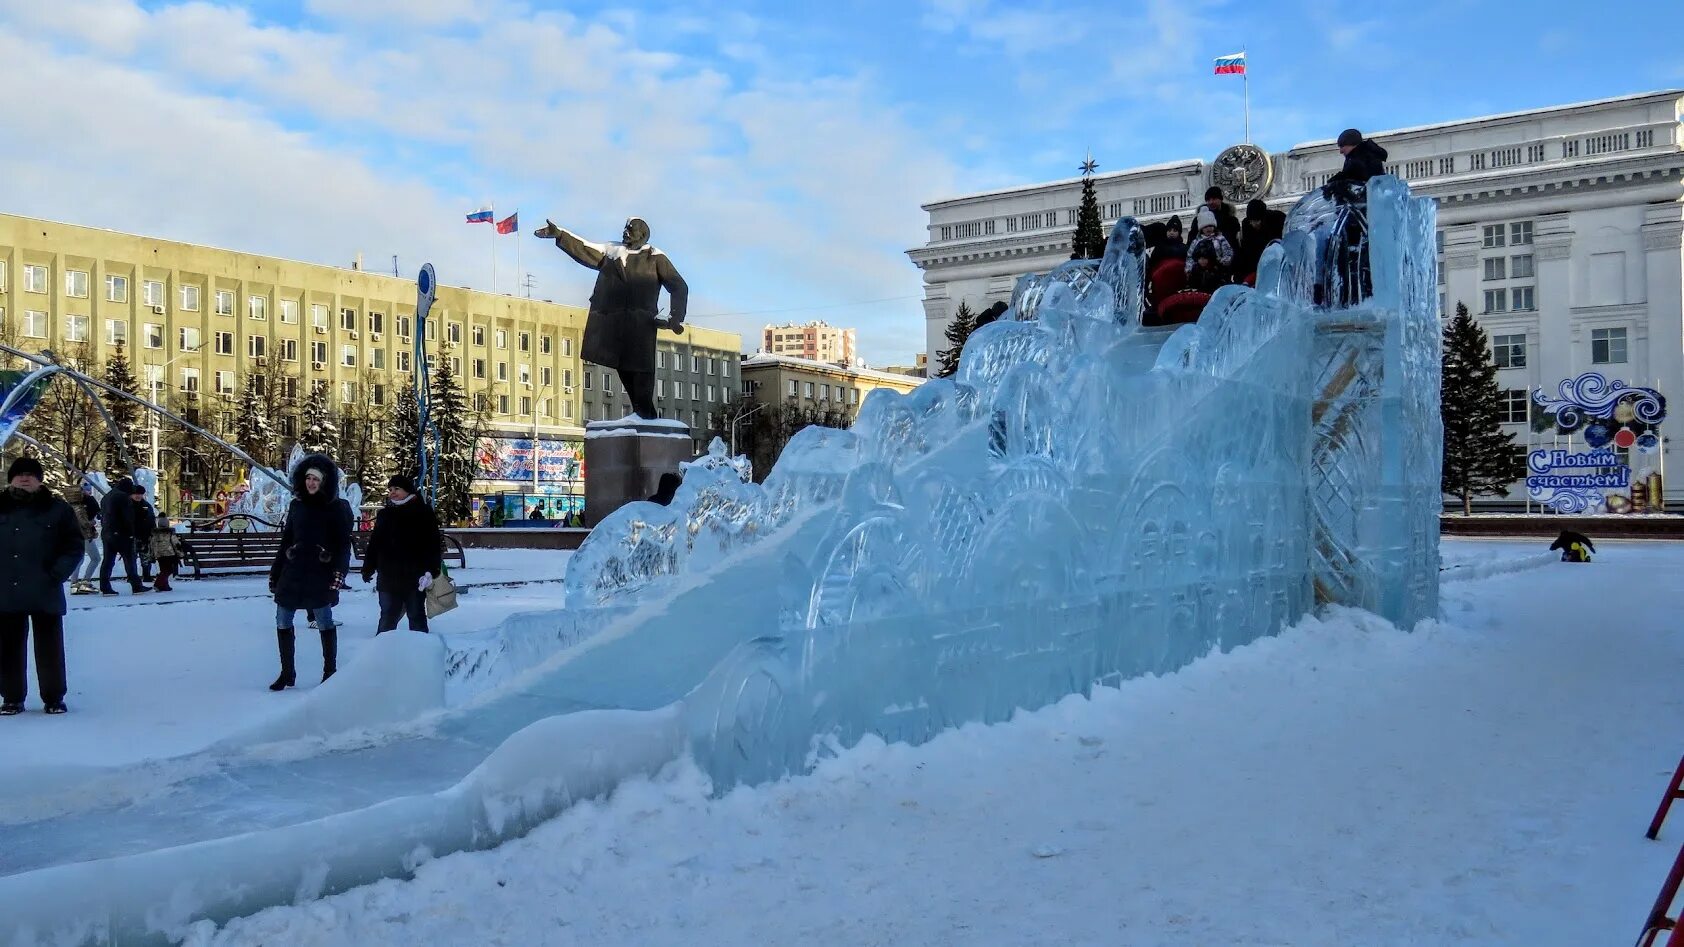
(40, 545)
(406, 551)
(145, 521)
(116, 525)
(309, 570)
(86, 509)
(165, 548)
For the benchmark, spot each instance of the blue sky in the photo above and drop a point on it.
(779, 150)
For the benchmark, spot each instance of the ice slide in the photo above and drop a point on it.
(1086, 502)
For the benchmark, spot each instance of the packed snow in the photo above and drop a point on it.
(1484, 780)
(1481, 780)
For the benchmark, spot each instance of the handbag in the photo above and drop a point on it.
(441, 595)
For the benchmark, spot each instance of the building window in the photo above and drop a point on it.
(455, 366)
(503, 339)
(76, 283)
(1608, 346)
(479, 335)
(711, 392)
(544, 376)
(377, 359)
(117, 289)
(347, 392)
(792, 388)
(1496, 300)
(116, 332)
(318, 317)
(525, 342)
(1520, 234)
(1509, 351)
(225, 383)
(853, 396)
(289, 311)
(1522, 267)
(318, 353)
(807, 389)
(502, 404)
(1516, 406)
(224, 343)
(567, 348)
(525, 374)
(153, 335)
(607, 384)
(76, 328)
(696, 364)
(224, 302)
(660, 387)
(400, 325)
(1492, 236)
(348, 356)
(187, 339)
(502, 371)
(403, 361)
(377, 395)
(190, 380)
(1522, 299)
(257, 307)
(348, 319)
(1496, 268)
(587, 381)
(257, 346)
(452, 332)
(432, 328)
(377, 322)
(289, 350)
(724, 368)
(525, 404)
(152, 292)
(34, 324)
(545, 344)
(34, 278)
(479, 368)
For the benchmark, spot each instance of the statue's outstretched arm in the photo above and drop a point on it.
(675, 287)
(583, 252)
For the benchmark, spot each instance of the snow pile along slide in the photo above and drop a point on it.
(1086, 501)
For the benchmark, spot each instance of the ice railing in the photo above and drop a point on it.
(1086, 501)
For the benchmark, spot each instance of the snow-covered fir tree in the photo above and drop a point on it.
(254, 433)
(458, 435)
(131, 419)
(1088, 241)
(402, 432)
(318, 431)
(1479, 456)
(964, 322)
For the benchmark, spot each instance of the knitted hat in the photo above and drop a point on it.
(1204, 218)
(1211, 192)
(137, 490)
(1255, 209)
(25, 466)
(404, 483)
(1350, 138)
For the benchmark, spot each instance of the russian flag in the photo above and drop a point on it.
(480, 217)
(1231, 65)
(509, 224)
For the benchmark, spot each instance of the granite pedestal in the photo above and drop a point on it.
(624, 461)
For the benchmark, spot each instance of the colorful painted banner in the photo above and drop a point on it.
(510, 458)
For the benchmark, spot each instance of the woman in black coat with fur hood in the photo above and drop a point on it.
(310, 568)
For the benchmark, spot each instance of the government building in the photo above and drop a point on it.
(199, 323)
(1559, 228)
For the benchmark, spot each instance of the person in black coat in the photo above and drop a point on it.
(405, 550)
(145, 521)
(1364, 159)
(1227, 222)
(40, 545)
(310, 568)
(116, 525)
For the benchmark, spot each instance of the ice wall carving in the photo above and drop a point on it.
(1087, 500)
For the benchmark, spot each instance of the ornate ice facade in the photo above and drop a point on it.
(1559, 228)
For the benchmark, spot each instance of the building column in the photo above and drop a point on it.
(1552, 249)
(1663, 258)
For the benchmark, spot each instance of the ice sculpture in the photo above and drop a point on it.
(266, 499)
(1088, 500)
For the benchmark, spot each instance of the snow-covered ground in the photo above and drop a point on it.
(1486, 780)
(165, 674)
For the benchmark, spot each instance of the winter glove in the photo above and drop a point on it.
(339, 581)
(426, 581)
(368, 575)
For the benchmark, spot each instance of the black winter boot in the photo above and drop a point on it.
(330, 651)
(284, 639)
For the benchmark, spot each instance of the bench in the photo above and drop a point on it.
(216, 553)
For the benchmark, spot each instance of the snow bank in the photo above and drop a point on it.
(397, 677)
(1499, 565)
(154, 897)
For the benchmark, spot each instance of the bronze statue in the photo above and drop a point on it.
(625, 311)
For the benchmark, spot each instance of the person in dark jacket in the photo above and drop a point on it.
(310, 568)
(1575, 547)
(1257, 231)
(1364, 159)
(405, 550)
(145, 521)
(86, 509)
(40, 545)
(666, 489)
(116, 525)
(1227, 222)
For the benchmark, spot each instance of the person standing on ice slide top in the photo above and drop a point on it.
(309, 570)
(40, 546)
(407, 552)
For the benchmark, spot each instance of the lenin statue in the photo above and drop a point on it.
(620, 330)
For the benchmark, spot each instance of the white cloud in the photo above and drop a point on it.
(313, 142)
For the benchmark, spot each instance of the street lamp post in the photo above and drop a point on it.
(741, 417)
(152, 386)
(536, 402)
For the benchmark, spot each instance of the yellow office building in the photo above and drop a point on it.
(197, 322)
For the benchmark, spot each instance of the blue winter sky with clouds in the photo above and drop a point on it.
(779, 150)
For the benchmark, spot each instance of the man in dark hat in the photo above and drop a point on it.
(40, 545)
(1364, 159)
(116, 524)
(145, 521)
(406, 550)
(1227, 222)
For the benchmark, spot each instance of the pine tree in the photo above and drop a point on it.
(129, 416)
(458, 434)
(320, 432)
(253, 431)
(1088, 242)
(403, 432)
(960, 329)
(1479, 456)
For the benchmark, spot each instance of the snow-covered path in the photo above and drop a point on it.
(1485, 781)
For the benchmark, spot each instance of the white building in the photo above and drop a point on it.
(1559, 228)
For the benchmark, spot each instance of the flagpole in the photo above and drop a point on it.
(1246, 75)
(520, 268)
(493, 249)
